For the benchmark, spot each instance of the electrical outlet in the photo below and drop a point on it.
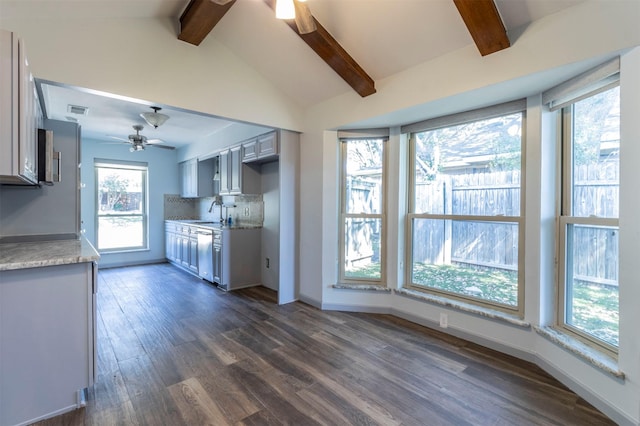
(246, 211)
(444, 320)
(267, 263)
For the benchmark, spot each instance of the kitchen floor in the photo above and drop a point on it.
(174, 350)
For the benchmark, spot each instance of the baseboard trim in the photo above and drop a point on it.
(356, 308)
(131, 263)
(614, 414)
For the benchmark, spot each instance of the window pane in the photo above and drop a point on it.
(596, 160)
(592, 281)
(476, 259)
(120, 232)
(470, 169)
(362, 248)
(120, 191)
(364, 160)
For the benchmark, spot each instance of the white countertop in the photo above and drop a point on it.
(46, 253)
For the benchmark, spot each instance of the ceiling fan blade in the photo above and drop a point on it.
(154, 141)
(304, 19)
(162, 146)
(221, 2)
(119, 139)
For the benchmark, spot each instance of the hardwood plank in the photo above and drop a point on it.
(260, 363)
(195, 405)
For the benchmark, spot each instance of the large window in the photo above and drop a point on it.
(465, 211)
(121, 206)
(588, 272)
(362, 206)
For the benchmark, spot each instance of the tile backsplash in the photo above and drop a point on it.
(244, 209)
(176, 207)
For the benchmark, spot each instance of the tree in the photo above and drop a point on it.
(113, 191)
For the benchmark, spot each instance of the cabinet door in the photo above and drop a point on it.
(267, 145)
(223, 168)
(184, 251)
(189, 178)
(235, 175)
(217, 264)
(28, 133)
(193, 254)
(167, 245)
(249, 151)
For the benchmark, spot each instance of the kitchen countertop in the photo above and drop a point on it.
(46, 253)
(211, 225)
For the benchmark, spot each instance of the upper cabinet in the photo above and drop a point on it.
(261, 149)
(20, 114)
(196, 178)
(235, 176)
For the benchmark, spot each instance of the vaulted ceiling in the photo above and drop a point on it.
(480, 16)
(382, 37)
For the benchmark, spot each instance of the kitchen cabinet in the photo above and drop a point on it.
(20, 114)
(237, 261)
(235, 176)
(47, 340)
(196, 178)
(261, 149)
(181, 246)
(236, 253)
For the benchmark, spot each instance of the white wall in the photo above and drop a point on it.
(546, 53)
(162, 179)
(542, 54)
(270, 236)
(143, 59)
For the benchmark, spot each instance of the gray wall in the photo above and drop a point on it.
(48, 210)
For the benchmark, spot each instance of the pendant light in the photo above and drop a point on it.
(154, 118)
(285, 9)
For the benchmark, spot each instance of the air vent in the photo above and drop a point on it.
(76, 109)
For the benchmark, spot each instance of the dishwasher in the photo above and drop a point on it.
(205, 254)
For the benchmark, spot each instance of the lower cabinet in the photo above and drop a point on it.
(181, 245)
(47, 340)
(236, 253)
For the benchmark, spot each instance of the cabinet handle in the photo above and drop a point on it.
(58, 157)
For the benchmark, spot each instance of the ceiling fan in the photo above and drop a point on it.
(140, 142)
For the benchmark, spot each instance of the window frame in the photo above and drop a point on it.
(565, 218)
(494, 111)
(343, 215)
(123, 165)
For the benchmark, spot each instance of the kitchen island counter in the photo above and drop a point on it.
(46, 253)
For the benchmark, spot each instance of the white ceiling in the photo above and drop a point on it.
(383, 36)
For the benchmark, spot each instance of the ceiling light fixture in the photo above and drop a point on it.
(285, 9)
(154, 118)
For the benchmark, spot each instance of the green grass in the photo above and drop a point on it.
(595, 307)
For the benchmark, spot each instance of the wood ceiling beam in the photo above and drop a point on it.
(334, 55)
(199, 18)
(485, 25)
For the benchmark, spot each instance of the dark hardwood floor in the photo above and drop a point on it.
(174, 350)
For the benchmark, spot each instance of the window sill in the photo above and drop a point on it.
(464, 307)
(362, 287)
(582, 350)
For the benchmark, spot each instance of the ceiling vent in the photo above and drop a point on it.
(76, 109)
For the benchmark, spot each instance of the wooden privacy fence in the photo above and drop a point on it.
(495, 244)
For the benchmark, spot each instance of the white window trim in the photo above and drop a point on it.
(345, 137)
(518, 106)
(565, 205)
(126, 165)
